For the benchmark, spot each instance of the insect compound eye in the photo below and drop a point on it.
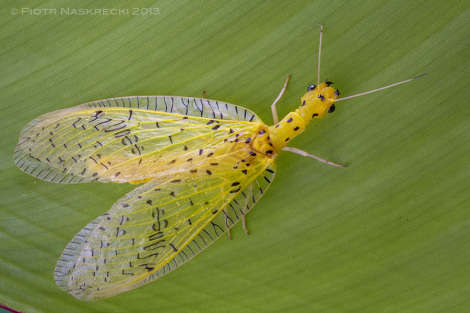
(331, 109)
(311, 87)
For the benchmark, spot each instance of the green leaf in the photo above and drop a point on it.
(389, 233)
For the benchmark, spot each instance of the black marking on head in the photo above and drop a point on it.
(331, 109)
(117, 174)
(314, 114)
(321, 97)
(244, 172)
(193, 171)
(215, 127)
(230, 131)
(172, 194)
(287, 139)
(337, 93)
(172, 161)
(149, 202)
(175, 181)
(328, 83)
(201, 151)
(261, 132)
(210, 154)
(289, 120)
(296, 128)
(185, 147)
(269, 152)
(124, 205)
(185, 117)
(210, 122)
(208, 172)
(248, 140)
(311, 87)
(189, 221)
(303, 103)
(214, 164)
(235, 184)
(189, 160)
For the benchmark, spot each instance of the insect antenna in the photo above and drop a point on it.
(319, 53)
(371, 91)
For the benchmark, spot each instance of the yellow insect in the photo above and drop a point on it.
(203, 164)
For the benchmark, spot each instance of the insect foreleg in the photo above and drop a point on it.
(273, 106)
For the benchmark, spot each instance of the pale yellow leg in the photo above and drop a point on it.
(273, 106)
(244, 225)
(301, 152)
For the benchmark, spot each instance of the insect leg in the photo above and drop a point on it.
(244, 225)
(273, 106)
(301, 152)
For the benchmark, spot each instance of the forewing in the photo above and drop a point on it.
(128, 139)
(157, 227)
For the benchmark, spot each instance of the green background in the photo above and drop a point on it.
(390, 233)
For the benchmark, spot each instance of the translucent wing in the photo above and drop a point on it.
(159, 226)
(128, 139)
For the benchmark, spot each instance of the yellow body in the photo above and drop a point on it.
(314, 104)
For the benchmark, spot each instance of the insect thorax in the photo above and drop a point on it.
(314, 104)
